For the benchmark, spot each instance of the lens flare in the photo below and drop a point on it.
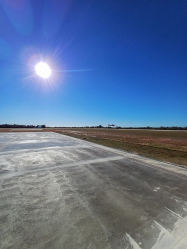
(43, 70)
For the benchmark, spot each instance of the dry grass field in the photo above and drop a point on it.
(168, 146)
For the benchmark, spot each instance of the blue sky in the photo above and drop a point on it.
(121, 62)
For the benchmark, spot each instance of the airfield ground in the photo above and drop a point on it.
(61, 192)
(168, 146)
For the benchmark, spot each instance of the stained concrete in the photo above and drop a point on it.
(61, 192)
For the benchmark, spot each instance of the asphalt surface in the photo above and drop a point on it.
(61, 192)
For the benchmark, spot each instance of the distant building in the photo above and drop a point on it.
(41, 126)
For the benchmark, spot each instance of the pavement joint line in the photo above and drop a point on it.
(70, 164)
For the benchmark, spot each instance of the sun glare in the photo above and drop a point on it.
(43, 70)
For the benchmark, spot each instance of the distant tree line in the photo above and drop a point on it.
(128, 128)
(98, 126)
(20, 126)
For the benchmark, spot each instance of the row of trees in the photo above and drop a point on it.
(98, 126)
(119, 127)
(20, 126)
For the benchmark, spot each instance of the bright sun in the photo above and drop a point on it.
(43, 70)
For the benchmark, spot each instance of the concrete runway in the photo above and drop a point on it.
(65, 193)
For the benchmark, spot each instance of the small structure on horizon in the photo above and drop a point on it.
(111, 125)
